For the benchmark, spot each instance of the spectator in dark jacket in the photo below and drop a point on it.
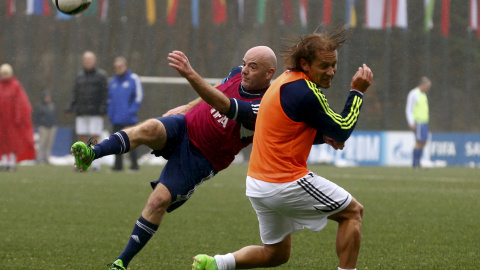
(45, 119)
(125, 95)
(89, 101)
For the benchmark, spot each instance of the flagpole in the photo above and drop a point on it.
(386, 80)
(170, 71)
(104, 38)
(124, 25)
(57, 57)
(427, 54)
(259, 25)
(239, 26)
(27, 39)
(405, 58)
(10, 46)
(259, 33)
(469, 75)
(446, 94)
(194, 9)
(195, 46)
(74, 37)
(150, 48)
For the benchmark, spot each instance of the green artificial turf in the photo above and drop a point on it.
(54, 218)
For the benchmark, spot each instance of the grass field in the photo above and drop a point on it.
(53, 218)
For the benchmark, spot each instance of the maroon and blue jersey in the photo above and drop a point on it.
(220, 137)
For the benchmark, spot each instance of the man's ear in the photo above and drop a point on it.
(304, 65)
(270, 73)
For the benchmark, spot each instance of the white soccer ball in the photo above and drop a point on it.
(71, 7)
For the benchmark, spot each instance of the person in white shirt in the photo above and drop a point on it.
(418, 117)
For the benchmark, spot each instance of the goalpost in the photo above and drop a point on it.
(174, 80)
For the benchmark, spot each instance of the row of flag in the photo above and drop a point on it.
(379, 14)
(42, 7)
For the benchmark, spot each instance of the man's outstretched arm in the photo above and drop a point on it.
(211, 95)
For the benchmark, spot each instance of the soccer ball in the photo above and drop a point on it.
(71, 7)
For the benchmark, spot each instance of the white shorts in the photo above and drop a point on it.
(303, 203)
(89, 125)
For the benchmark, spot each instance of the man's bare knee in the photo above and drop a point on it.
(157, 204)
(150, 128)
(354, 211)
(278, 254)
(279, 260)
(151, 133)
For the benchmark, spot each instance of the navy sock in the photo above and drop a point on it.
(142, 232)
(118, 143)
(420, 153)
(417, 154)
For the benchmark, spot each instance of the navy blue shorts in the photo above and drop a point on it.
(186, 167)
(421, 132)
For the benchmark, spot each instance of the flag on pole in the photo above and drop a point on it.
(151, 12)
(102, 10)
(428, 23)
(303, 13)
(350, 14)
(327, 12)
(473, 21)
(445, 19)
(38, 7)
(195, 9)
(381, 14)
(98, 8)
(219, 11)
(474, 18)
(261, 11)
(287, 12)
(398, 14)
(11, 9)
(375, 14)
(172, 6)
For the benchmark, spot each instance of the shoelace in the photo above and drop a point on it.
(113, 266)
(91, 142)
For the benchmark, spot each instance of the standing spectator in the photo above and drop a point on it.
(45, 119)
(89, 101)
(125, 96)
(418, 117)
(16, 128)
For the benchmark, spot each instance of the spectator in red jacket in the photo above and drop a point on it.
(16, 128)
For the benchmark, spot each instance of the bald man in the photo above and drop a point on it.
(418, 117)
(89, 100)
(198, 139)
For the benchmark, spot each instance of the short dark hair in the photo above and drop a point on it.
(306, 47)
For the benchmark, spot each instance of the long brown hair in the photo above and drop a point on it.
(307, 46)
